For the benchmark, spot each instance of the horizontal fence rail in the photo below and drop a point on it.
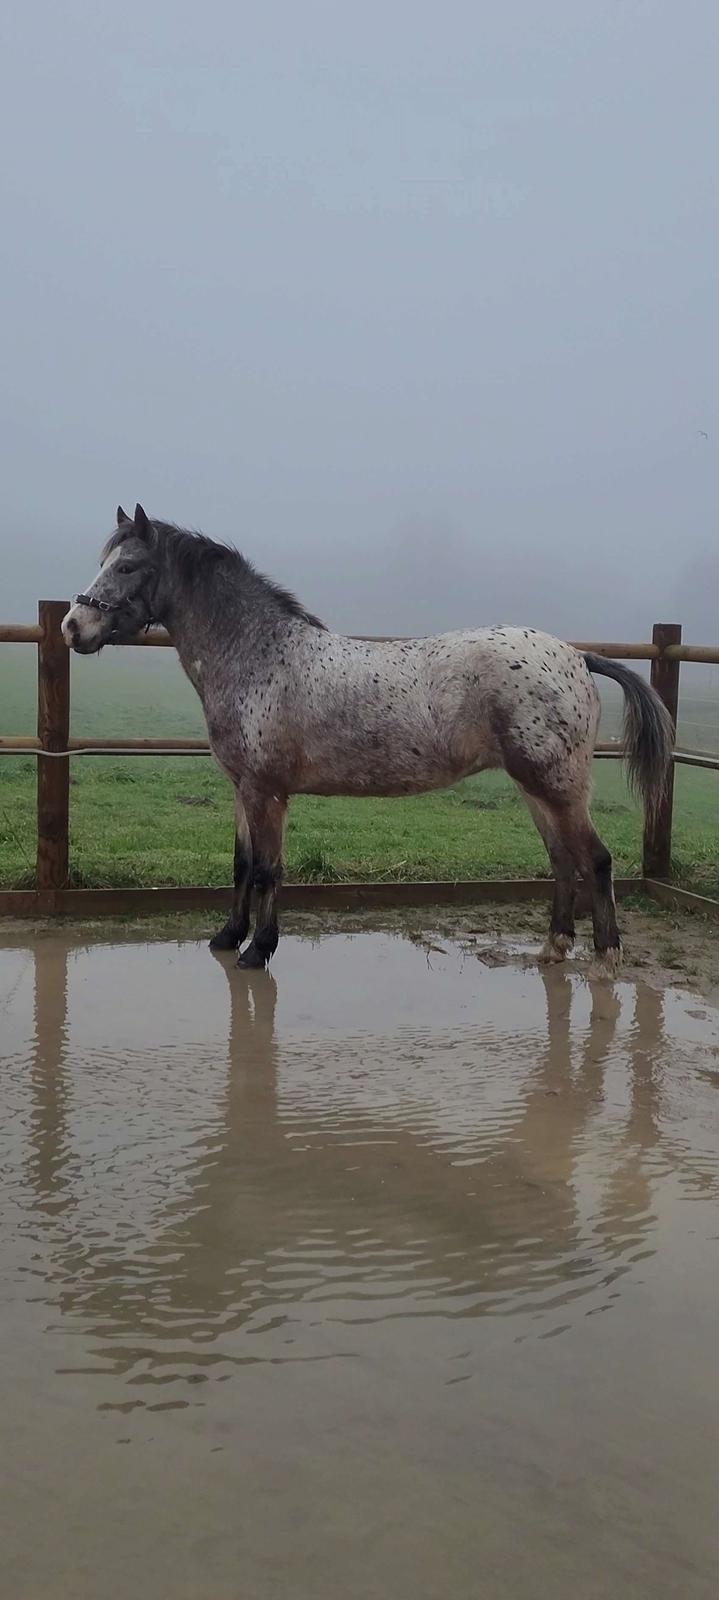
(30, 745)
(53, 747)
(703, 654)
(20, 633)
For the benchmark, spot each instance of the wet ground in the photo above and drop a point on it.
(392, 1274)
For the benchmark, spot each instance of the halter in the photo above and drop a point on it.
(105, 606)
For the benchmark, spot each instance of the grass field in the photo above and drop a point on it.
(150, 821)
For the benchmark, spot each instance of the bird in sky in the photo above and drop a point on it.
(702, 434)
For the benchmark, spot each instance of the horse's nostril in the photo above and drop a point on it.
(70, 632)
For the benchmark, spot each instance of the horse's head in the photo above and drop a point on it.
(121, 599)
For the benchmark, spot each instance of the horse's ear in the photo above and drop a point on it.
(122, 517)
(142, 525)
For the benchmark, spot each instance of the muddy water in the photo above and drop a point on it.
(388, 1275)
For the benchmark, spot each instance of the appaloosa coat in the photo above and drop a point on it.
(294, 709)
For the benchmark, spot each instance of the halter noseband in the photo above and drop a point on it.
(105, 606)
(97, 605)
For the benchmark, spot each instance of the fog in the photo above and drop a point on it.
(417, 304)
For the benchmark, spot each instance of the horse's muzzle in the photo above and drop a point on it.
(82, 634)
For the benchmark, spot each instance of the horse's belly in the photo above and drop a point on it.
(397, 772)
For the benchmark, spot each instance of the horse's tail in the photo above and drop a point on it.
(648, 731)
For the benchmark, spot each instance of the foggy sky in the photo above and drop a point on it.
(415, 303)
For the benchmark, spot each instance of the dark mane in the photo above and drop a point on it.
(196, 555)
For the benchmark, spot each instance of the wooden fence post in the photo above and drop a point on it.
(665, 679)
(53, 776)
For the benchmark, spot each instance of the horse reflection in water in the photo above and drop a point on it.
(281, 1212)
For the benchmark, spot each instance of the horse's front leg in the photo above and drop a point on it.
(266, 815)
(237, 925)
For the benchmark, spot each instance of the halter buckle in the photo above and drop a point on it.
(91, 600)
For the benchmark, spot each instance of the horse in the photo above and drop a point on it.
(292, 708)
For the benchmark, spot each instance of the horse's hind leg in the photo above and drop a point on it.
(236, 927)
(607, 941)
(548, 820)
(267, 821)
(594, 862)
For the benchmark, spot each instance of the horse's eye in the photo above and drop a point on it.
(124, 570)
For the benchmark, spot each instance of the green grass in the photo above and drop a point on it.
(145, 821)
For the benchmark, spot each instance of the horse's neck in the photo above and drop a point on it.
(203, 624)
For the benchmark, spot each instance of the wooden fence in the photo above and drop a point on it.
(55, 747)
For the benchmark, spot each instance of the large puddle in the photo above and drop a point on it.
(391, 1274)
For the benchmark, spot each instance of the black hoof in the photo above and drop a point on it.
(226, 939)
(252, 958)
